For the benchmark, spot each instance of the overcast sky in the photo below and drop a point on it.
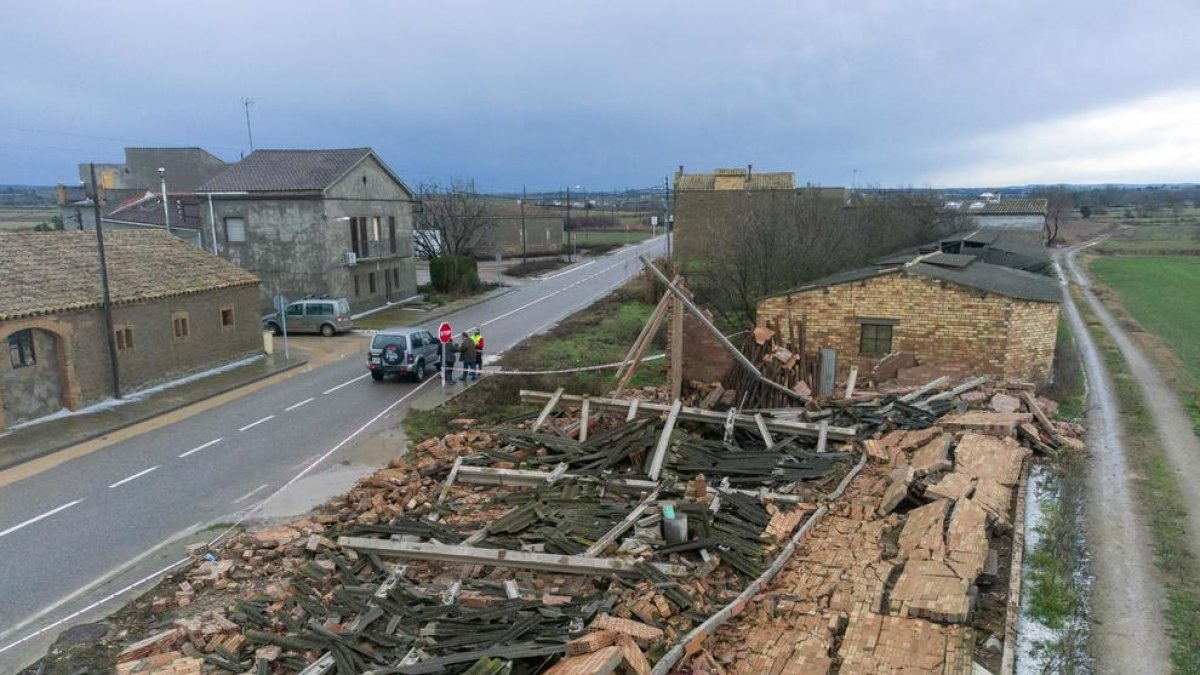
(612, 94)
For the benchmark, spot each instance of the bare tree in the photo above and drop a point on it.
(1059, 202)
(452, 221)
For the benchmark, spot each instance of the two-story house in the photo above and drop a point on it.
(315, 222)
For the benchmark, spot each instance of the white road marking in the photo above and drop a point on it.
(254, 424)
(304, 462)
(136, 475)
(573, 269)
(297, 405)
(345, 384)
(198, 449)
(33, 520)
(249, 494)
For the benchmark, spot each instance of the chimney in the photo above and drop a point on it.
(62, 194)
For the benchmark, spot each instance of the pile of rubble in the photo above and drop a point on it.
(604, 534)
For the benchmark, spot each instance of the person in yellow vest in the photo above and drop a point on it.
(477, 338)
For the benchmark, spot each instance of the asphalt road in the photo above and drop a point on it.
(66, 529)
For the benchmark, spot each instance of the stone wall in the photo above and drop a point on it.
(939, 322)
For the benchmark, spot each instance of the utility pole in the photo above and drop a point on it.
(108, 318)
(667, 204)
(162, 177)
(524, 250)
(567, 225)
(246, 103)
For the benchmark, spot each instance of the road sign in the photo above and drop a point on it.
(445, 332)
(281, 303)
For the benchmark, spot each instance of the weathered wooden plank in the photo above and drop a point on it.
(545, 414)
(763, 430)
(470, 555)
(962, 388)
(620, 528)
(675, 377)
(925, 389)
(633, 409)
(822, 435)
(693, 414)
(584, 418)
(851, 381)
(660, 451)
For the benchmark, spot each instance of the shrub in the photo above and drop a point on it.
(454, 274)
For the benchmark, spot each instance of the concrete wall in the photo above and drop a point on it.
(295, 244)
(543, 235)
(77, 361)
(1004, 221)
(939, 322)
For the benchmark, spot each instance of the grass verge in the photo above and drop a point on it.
(1160, 502)
(1068, 388)
(598, 334)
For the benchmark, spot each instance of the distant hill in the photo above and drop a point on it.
(28, 195)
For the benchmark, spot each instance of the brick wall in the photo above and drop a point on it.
(705, 359)
(939, 322)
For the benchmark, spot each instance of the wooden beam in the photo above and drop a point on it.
(693, 414)
(1040, 416)
(762, 429)
(471, 555)
(486, 475)
(925, 389)
(851, 381)
(730, 424)
(660, 452)
(584, 419)
(649, 332)
(823, 436)
(633, 409)
(962, 388)
(737, 353)
(620, 528)
(541, 419)
(676, 350)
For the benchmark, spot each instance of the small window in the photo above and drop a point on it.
(392, 232)
(227, 317)
(396, 276)
(20, 349)
(296, 309)
(876, 339)
(416, 340)
(375, 228)
(180, 322)
(235, 229)
(356, 293)
(371, 282)
(321, 309)
(343, 306)
(124, 336)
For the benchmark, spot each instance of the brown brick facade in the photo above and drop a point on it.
(937, 321)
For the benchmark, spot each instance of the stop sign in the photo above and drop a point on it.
(445, 332)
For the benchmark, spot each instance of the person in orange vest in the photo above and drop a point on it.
(477, 338)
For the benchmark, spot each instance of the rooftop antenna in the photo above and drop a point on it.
(246, 103)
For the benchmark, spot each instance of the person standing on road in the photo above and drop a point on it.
(449, 351)
(477, 338)
(468, 355)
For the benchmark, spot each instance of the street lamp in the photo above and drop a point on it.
(162, 178)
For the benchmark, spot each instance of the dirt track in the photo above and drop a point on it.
(1130, 635)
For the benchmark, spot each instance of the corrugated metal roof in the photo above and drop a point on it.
(995, 279)
(983, 207)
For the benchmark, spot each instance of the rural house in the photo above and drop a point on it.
(176, 310)
(315, 222)
(946, 309)
(1023, 216)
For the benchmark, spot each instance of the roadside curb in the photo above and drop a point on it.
(441, 314)
(8, 463)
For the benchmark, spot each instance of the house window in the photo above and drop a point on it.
(20, 348)
(876, 339)
(179, 321)
(227, 316)
(235, 229)
(124, 336)
(392, 233)
(371, 282)
(356, 293)
(358, 237)
(396, 277)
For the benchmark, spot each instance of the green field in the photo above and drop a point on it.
(18, 218)
(1155, 240)
(584, 237)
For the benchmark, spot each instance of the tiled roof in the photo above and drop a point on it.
(51, 272)
(148, 210)
(286, 171)
(1020, 206)
(777, 180)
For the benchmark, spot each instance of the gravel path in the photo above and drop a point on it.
(1130, 634)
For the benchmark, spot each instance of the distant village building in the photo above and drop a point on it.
(990, 210)
(176, 310)
(705, 202)
(315, 222)
(131, 193)
(953, 310)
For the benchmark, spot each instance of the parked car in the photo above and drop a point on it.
(408, 352)
(327, 316)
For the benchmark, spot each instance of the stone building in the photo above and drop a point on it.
(315, 222)
(176, 310)
(1025, 217)
(945, 309)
